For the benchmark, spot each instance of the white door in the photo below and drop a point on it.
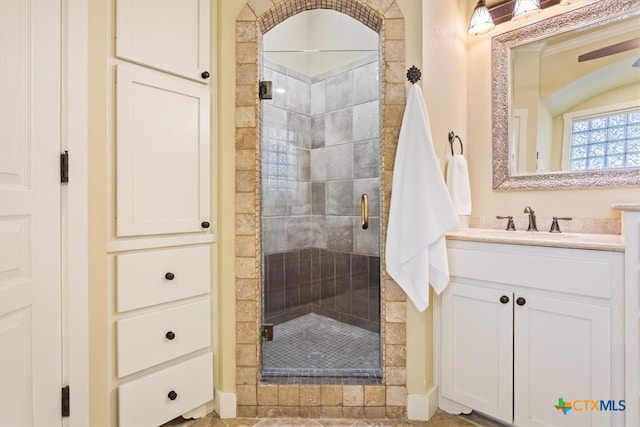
(477, 349)
(30, 307)
(561, 351)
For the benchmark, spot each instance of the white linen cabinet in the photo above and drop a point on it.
(163, 236)
(523, 326)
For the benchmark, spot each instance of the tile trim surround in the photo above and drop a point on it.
(333, 401)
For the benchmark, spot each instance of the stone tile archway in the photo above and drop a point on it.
(350, 401)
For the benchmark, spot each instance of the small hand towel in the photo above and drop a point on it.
(421, 210)
(458, 184)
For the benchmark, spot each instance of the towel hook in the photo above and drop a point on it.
(452, 138)
(413, 74)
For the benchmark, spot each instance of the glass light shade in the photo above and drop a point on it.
(481, 21)
(524, 8)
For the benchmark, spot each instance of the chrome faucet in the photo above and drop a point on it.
(532, 219)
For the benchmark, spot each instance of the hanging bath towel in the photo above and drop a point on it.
(421, 211)
(458, 184)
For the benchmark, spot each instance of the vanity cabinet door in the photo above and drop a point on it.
(162, 153)
(169, 35)
(556, 340)
(477, 348)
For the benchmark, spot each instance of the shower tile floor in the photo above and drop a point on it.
(314, 349)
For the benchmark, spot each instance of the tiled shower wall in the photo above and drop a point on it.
(320, 153)
(339, 285)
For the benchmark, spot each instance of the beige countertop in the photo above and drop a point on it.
(603, 242)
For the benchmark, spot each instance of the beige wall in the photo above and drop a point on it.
(580, 203)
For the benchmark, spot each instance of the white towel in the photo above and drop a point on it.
(458, 184)
(421, 211)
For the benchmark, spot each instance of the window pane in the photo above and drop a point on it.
(633, 160)
(598, 136)
(579, 152)
(581, 138)
(581, 126)
(616, 161)
(616, 133)
(633, 145)
(634, 117)
(633, 131)
(618, 120)
(596, 150)
(596, 163)
(599, 123)
(615, 147)
(578, 165)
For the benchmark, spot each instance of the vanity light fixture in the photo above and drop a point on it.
(507, 10)
(525, 8)
(481, 21)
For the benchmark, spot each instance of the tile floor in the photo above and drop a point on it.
(314, 349)
(440, 419)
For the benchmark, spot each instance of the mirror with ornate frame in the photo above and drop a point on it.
(602, 33)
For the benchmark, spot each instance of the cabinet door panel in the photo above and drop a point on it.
(561, 350)
(477, 331)
(171, 35)
(162, 153)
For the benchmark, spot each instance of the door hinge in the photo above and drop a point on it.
(64, 167)
(266, 332)
(66, 410)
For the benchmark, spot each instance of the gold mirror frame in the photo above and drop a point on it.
(594, 14)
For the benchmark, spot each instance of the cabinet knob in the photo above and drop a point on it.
(169, 276)
(521, 301)
(205, 75)
(504, 299)
(172, 395)
(205, 224)
(170, 335)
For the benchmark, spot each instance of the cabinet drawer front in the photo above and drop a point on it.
(150, 339)
(142, 278)
(146, 401)
(580, 272)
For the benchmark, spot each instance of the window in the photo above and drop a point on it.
(606, 141)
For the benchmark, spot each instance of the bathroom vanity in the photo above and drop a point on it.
(531, 321)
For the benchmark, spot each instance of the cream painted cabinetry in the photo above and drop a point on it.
(162, 153)
(169, 35)
(163, 237)
(523, 326)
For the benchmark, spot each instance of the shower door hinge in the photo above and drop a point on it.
(265, 89)
(266, 332)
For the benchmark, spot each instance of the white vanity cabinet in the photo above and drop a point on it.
(523, 326)
(169, 35)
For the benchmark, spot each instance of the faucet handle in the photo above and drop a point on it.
(510, 225)
(555, 227)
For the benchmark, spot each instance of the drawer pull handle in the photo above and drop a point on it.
(521, 301)
(172, 395)
(205, 224)
(170, 335)
(504, 299)
(205, 75)
(169, 276)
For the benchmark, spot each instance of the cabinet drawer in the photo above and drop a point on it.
(150, 339)
(147, 401)
(145, 279)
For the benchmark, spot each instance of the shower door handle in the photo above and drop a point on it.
(364, 211)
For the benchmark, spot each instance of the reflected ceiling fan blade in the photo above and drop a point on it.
(637, 63)
(610, 50)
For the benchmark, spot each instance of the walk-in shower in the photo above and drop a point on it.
(320, 198)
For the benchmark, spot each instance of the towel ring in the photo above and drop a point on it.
(452, 138)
